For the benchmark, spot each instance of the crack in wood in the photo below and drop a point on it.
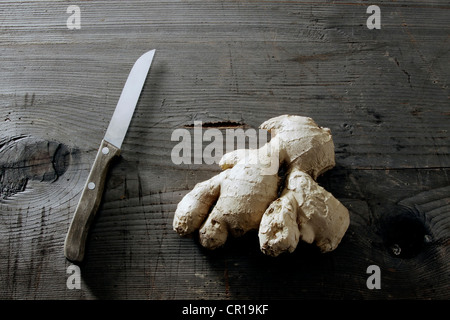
(219, 125)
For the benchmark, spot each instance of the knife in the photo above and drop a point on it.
(75, 242)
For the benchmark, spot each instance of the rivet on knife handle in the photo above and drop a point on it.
(89, 202)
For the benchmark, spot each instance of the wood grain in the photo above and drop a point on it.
(383, 93)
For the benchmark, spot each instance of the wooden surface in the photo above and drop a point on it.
(383, 93)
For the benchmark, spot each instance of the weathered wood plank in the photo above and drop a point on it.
(383, 93)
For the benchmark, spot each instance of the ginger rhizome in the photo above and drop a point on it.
(245, 195)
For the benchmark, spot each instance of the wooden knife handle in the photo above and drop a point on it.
(89, 202)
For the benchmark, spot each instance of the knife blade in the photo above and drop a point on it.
(75, 242)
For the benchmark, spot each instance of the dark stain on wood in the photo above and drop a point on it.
(23, 159)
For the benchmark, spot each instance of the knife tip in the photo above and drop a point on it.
(146, 58)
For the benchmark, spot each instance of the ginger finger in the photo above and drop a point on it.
(320, 217)
(278, 231)
(245, 195)
(229, 159)
(195, 206)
